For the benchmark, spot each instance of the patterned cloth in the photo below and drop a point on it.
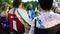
(45, 20)
(4, 22)
(23, 17)
(0, 22)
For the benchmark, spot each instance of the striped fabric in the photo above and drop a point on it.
(23, 17)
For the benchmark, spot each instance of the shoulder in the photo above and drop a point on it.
(22, 10)
(54, 14)
(11, 11)
(57, 15)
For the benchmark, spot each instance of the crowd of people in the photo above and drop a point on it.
(20, 21)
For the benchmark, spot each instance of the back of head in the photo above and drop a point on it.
(5, 5)
(45, 4)
(16, 3)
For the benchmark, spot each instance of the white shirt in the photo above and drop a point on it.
(47, 20)
(23, 17)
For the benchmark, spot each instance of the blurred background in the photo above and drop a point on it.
(56, 3)
(24, 2)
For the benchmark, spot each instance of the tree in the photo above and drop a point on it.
(24, 4)
(34, 3)
(8, 1)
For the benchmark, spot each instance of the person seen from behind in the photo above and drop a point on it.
(16, 26)
(47, 22)
(4, 18)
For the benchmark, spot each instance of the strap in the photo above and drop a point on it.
(14, 13)
(39, 21)
(35, 23)
(14, 22)
(41, 24)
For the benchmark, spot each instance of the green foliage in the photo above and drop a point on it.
(8, 1)
(34, 3)
(24, 4)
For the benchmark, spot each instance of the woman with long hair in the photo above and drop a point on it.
(4, 17)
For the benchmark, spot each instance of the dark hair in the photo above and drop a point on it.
(16, 3)
(45, 4)
(28, 8)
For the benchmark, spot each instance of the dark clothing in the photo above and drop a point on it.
(52, 30)
(4, 23)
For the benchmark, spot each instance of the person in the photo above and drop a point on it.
(16, 26)
(24, 18)
(30, 11)
(18, 18)
(47, 22)
(4, 18)
(5, 7)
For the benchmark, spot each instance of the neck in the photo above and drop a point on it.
(19, 7)
(45, 11)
